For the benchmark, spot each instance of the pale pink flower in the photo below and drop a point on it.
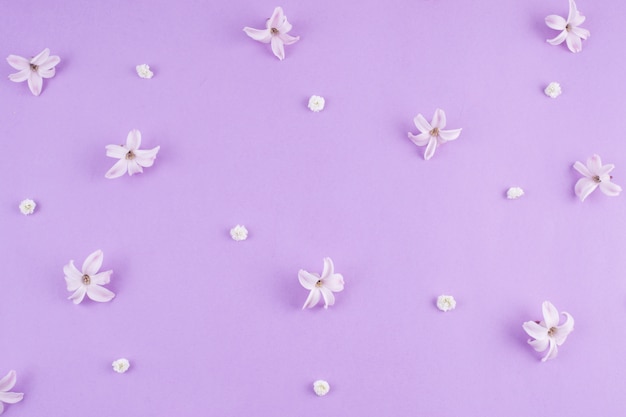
(547, 334)
(131, 158)
(7, 383)
(571, 33)
(595, 175)
(325, 285)
(275, 33)
(88, 281)
(33, 70)
(432, 134)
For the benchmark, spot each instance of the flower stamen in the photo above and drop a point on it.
(130, 155)
(596, 179)
(434, 132)
(552, 331)
(86, 279)
(274, 31)
(34, 67)
(568, 27)
(318, 284)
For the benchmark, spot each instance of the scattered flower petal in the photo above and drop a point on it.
(514, 193)
(595, 175)
(7, 383)
(571, 33)
(321, 387)
(34, 70)
(316, 103)
(432, 134)
(553, 90)
(446, 302)
(239, 233)
(547, 334)
(27, 206)
(323, 286)
(131, 158)
(89, 281)
(121, 365)
(275, 33)
(143, 71)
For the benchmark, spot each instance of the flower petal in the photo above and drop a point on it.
(604, 170)
(582, 168)
(278, 48)
(564, 329)
(422, 124)
(594, 163)
(577, 20)
(18, 77)
(581, 33)
(93, 263)
(11, 397)
(133, 140)
(50, 63)
(288, 39)
(610, 188)
(18, 62)
(573, 11)
(539, 344)
(573, 42)
(552, 351)
(535, 330)
(334, 282)
(329, 298)
(102, 278)
(8, 381)
(41, 57)
(99, 294)
(261, 35)
(78, 295)
(550, 314)
(312, 299)
(73, 277)
(584, 187)
(307, 279)
(448, 135)
(116, 151)
(439, 119)
(556, 22)
(146, 158)
(329, 268)
(47, 73)
(118, 169)
(430, 149)
(421, 139)
(35, 83)
(277, 19)
(134, 167)
(558, 39)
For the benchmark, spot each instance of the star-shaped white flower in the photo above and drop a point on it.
(324, 286)
(595, 175)
(571, 33)
(547, 334)
(88, 281)
(432, 134)
(275, 33)
(131, 158)
(7, 383)
(33, 70)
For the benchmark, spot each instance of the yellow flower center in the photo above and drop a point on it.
(318, 284)
(434, 132)
(86, 279)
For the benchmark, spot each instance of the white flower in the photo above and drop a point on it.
(321, 387)
(446, 302)
(239, 233)
(316, 103)
(121, 365)
(514, 193)
(143, 71)
(553, 90)
(547, 334)
(27, 206)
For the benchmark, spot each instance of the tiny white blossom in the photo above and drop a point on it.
(27, 206)
(553, 90)
(321, 387)
(316, 103)
(143, 71)
(121, 365)
(514, 193)
(446, 302)
(239, 233)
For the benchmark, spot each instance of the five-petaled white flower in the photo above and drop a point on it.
(571, 33)
(325, 285)
(316, 103)
(432, 134)
(446, 303)
(239, 233)
(121, 365)
(547, 334)
(143, 71)
(33, 70)
(321, 387)
(27, 207)
(275, 33)
(7, 383)
(131, 158)
(88, 281)
(595, 175)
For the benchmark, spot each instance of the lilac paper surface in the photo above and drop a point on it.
(213, 326)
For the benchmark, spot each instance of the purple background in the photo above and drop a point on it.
(214, 327)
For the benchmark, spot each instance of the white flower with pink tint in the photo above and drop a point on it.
(595, 175)
(432, 134)
(323, 286)
(547, 334)
(131, 158)
(7, 383)
(275, 33)
(33, 70)
(571, 33)
(89, 281)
